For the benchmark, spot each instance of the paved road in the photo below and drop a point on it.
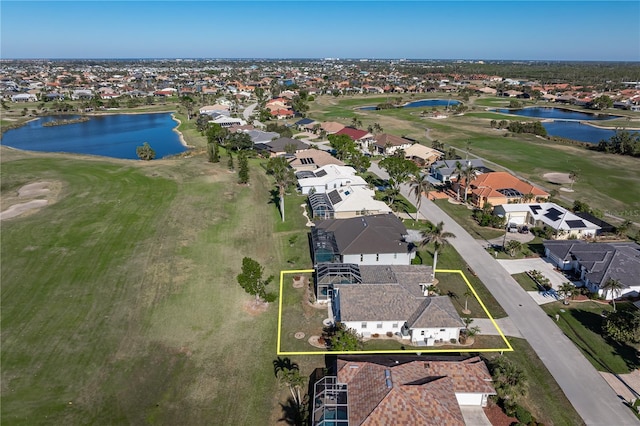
(585, 388)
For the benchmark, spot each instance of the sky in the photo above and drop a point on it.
(478, 30)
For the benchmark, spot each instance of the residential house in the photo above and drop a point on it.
(422, 155)
(331, 127)
(499, 188)
(400, 390)
(312, 159)
(260, 137)
(364, 240)
(346, 202)
(282, 146)
(215, 109)
(387, 144)
(226, 121)
(561, 221)
(360, 137)
(24, 97)
(596, 263)
(328, 178)
(305, 124)
(444, 170)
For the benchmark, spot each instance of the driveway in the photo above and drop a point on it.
(518, 266)
(475, 416)
(584, 387)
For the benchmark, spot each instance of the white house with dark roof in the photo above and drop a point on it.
(596, 263)
(364, 240)
(564, 223)
(327, 178)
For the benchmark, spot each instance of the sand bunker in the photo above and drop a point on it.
(558, 178)
(44, 191)
(18, 209)
(34, 190)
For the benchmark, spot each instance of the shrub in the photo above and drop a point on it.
(389, 334)
(523, 415)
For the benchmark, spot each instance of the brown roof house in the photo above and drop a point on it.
(387, 144)
(400, 390)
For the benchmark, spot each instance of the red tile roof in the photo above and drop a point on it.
(354, 134)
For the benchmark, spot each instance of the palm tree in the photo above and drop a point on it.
(573, 176)
(469, 174)
(467, 294)
(513, 246)
(459, 170)
(622, 229)
(289, 374)
(566, 289)
(438, 236)
(420, 183)
(283, 175)
(615, 287)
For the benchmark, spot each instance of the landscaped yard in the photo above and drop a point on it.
(582, 323)
(463, 215)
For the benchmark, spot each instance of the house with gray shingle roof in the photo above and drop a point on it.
(596, 263)
(389, 299)
(363, 240)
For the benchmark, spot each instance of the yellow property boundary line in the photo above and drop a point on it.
(418, 350)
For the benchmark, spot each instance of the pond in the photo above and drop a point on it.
(566, 123)
(115, 135)
(556, 114)
(421, 103)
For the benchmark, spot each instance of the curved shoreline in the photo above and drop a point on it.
(180, 135)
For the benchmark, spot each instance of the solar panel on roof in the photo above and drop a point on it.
(553, 214)
(321, 173)
(510, 192)
(535, 209)
(576, 224)
(334, 197)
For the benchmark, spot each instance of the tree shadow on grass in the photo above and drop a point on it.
(292, 413)
(593, 322)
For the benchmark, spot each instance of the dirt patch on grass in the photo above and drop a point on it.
(255, 308)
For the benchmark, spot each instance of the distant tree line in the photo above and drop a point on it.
(622, 142)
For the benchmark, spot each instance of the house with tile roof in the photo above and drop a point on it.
(596, 263)
(499, 188)
(328, 178)
(564, 223)
(360, 137)
(400, 390)
(387, 144)
(312, 159)
(331, 127)
(422, 155)
(365, 240)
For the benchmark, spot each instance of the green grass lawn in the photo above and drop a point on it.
(463, 216)
(582, 322)
(120, 302)
(448, 258)
(525, 282)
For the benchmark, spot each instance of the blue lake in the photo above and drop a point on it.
(420, 103)
(566, 123)
(106, 135)
(555, 114)
(577, 131)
